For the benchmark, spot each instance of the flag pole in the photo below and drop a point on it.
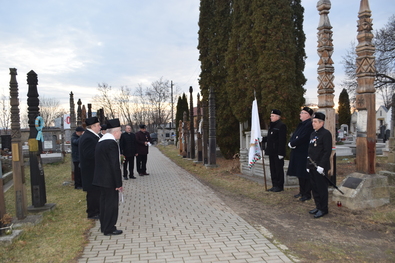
(264, 170)
(263, 157)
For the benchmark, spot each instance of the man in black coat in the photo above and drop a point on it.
(143, 140)
(108, 177)
(75, 156)
(86, 149)
(275, 149)
(320, 149)
(128, 146)
(299, 144)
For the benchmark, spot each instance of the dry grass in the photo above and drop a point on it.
(61, 236)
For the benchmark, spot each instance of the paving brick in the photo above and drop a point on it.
(171, 217)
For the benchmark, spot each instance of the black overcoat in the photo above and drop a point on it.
(300, 139)
(276, 139)
(107, 165)
(320, 149)
(141, 138)
(127, 144)
(86, 149)
(75, 140)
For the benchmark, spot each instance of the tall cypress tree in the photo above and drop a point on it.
(213, 43)
(281, 80)
(344, 109)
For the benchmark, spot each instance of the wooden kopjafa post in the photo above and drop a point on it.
(37, 176)
(325, 72)
(212, 139)
(79, 121)
(364, 188)
(16, 147)
(366, 97)
(191, 126)
(199, 132)
(72, 128)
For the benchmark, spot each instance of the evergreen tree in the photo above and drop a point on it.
(213, 43)
(344, 110)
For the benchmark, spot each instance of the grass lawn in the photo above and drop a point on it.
(61, 236)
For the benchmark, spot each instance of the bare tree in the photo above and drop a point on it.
(125, 104)
(106, 99)
(385, 65)
(50, 109)
(141, 107)
(158, 95)
(5, 116)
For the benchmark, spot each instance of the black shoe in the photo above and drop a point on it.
(271, 189)
(125, 178)
(145, 174)
(78, 188)
(276, 189)
(298, 195)
(96, 217)
(141, 174)
(314, 211)
(304, 198)
(115, 232)
(320, 213)
(132, 177)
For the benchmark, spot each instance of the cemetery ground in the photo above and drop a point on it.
(343, 235)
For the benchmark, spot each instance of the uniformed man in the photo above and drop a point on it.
(318, 164)
(108, 177)
(299, 143)
(276, 141)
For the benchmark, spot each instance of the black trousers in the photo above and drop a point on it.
(77, 175)
(305, 186)
(320, 190)
(93, 202)
(277, 171)
(129, 161)
(141, 160)
(109, 203)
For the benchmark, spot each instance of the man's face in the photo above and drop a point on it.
(79, 133)
(304, 115)
(117, 133)
(128, 129)
(317, 124)
(96, 127)
(143, 130)
(274, 117)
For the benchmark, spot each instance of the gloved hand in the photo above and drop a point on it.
(308, 170)
(290, 146)
(320, 170)
(280, 157)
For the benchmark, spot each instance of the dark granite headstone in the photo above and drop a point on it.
(352, 182)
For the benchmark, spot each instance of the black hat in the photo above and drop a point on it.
(114, 123)
(142, 126)
(79, 128)
(310, 111)
(91, 120)
(103, 127)
(319, 115)
(278, 112)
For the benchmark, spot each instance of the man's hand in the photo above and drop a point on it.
(280, 157)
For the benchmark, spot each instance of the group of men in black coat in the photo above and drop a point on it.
(311, 146)
(100, 165)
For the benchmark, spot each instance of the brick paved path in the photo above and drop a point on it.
(169, 216)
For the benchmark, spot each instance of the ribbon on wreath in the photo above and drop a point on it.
(39, 123)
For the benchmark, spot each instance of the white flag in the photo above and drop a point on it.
(255, 152)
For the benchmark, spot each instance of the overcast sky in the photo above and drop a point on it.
(74, 45)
